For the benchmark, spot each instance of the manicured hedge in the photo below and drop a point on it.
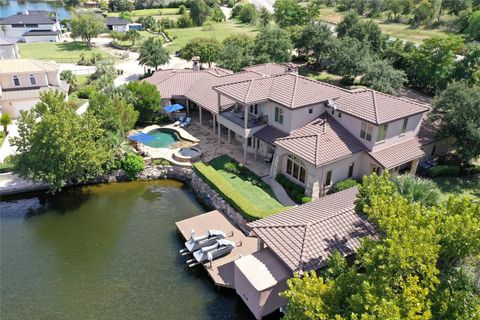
(443, 171)
(248, 209)
(345, 184)
(294, 190)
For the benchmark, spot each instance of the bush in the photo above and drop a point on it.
(7, 165)
(132, 165)
(295, 191)
(345, 184)
(161, 162)
(231, 167)
(471, 171)
(416, 189)
(306, 199)
(443, 171)
(248, 209)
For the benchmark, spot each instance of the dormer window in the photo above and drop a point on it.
(254, 109)
(32, 80)
(16, 81)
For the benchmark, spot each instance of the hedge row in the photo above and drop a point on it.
(345, 184)
(294, 190)
(249, 210)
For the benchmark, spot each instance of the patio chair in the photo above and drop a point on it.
(268, 158)
(179, 121)
(186, 123)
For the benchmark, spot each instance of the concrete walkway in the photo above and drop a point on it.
(11, 183)
(280, 193)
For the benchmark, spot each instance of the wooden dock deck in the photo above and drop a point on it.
(222, 269)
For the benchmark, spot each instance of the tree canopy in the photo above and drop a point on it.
(144, 98)
(272, 45)
(315, 40)
(87, 25)
(152, 53)
(206, 48)
(236, 52)
(288, 13)
(199, 11)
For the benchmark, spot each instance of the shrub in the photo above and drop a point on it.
(7, 165)
(132, 165)
(161, 162)
(306, 199)
(471, 171)
(295, 191)
(345, 184)
(417, 189)
(443, 171)
(231, 167)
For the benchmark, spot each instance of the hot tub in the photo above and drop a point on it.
(187, 154)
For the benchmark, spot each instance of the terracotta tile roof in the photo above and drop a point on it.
(377, 107)
(290, 90)
(115, 21)
(31, 18)
(321, 141)
(267, 69)
(398, 154)
(270, 134)
(219, 71)
(9, 66)
(303, 237)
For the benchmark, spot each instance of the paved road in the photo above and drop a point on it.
(264, 3)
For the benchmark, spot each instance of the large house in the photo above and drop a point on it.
(317, 134)
(117, 24)
(32, 26)
(22, 81)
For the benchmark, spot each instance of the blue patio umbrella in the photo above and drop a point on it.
(173, 107)
(141, 137)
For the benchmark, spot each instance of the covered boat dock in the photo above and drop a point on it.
(221, 270)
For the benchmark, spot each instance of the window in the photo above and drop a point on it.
(32, 79)
(249, 142)
(350, 169)
(18, 26)
(339, 114)
(310, 110)
(31, 25)
(328, 179)
(279, 115)
(375, 168)
(296, 169)
(254, 109)
(433, 150)
(404, 126)
(382, 132)
(333, 111)
(16, 81)
(366, 131)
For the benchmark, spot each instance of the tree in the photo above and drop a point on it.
(147, 22)
(288, 13)
(382, 76)
(468, 68)
(133, 164)
(152, 53)
(348, 24)
(87, 26)
(236, 52)
(417, 189)
(272, 45)
(184, 21)
(264, 17)
(315, 41)
(70, 78)
(349, 58)
(395, 8)
(423, 13)
(206, 48)
(62, 146)
(132, 36)
(367, 32)
(217, 14)
(248, 13)
(456, 6)
(199, 11)
(435, 62)
(145, 98)
(473, 29)
(120, 5)
(5, 121)
(457, 110)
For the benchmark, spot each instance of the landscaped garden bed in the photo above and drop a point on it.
(244, 190)
(295, 191)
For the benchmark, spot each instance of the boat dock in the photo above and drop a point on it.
(221, 270)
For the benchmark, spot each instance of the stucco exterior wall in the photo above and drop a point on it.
(33, 39)
(13, 108)
(6, 80)
(441, 147)
(394, 132)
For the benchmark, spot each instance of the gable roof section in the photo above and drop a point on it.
(398, 154)
(378, 108)
(115, 21)
(303, 237)
(12, 66)
(267, 69)
(32, 18)
(290, 90)
(321, 141)
(270, 134)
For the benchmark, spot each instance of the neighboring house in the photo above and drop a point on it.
(31, 26)
(117, 24)
(295, 241)
(8, 48)
(22, 81)
(317, 134)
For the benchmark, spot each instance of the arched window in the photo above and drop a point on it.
(32, 79)
(16, 81)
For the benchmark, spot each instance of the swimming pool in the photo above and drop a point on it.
(164, 138)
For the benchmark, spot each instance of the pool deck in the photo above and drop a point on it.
(220, 270)
(181, 132)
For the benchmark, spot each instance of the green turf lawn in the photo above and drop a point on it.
(396, 30)
(216, 30)
(66, 52)
(263, 198)
(148, 12)
(458, 186)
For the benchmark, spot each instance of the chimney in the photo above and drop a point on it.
(196, 63)
(291, 68)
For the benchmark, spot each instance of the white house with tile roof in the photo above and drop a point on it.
(319, 134)
(32, 26)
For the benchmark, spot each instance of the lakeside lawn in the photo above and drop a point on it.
(218, 31)
(458, 186)
(62, 52)
(148, 12)
(396, 30)
(244, 190)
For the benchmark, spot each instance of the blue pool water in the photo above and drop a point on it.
(164, 138)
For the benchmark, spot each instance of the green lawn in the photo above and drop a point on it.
(458, 186)
(66, 52)
(217, 30)
(245, 191)
(396, 30)
(82, 79)
(148, 12)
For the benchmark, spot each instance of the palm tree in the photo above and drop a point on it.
(417, 189)
(5, 121)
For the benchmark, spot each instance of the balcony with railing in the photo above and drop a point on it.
(238, 117)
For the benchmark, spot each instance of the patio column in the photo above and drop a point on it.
(255, 145)
(188, 107)
(229, 136)
(200, 114)
(413, 168)
(213, 123)
(219, 134)
(245, 150)
(245, 126)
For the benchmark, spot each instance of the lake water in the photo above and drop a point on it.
(11, 7)
(105, 252)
